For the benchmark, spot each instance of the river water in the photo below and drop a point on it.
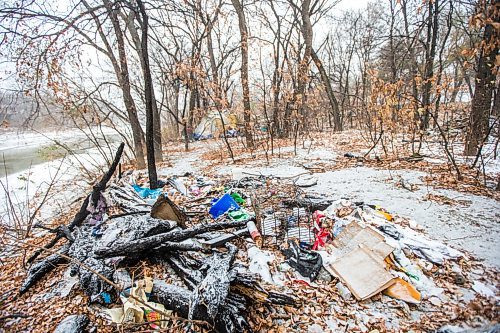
(21, 151)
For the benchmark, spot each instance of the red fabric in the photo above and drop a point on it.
(321, 238)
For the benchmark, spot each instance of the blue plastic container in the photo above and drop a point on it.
(224, 204)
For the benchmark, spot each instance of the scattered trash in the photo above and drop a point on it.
(404, 291)
(137, 308)
(147, 193)
(165, 209)
(222, 205)
(306, 181)
(362, 273)
(254, 233)
(354, 235)
(239, 215)
(237, 197)
(307, 263)
(354, 250)
(178, 185)
(343, 291)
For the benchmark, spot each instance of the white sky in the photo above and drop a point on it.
(352, 4)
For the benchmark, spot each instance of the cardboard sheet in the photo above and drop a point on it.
(355, 235)
(362, 273)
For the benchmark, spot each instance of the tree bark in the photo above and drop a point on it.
(329, 92)
(483, 93)
(244, 71)
(124, 80)
(307, 33)
(430, 54)
(156, 115)
(148, 92)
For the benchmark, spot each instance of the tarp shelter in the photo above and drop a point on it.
(210, 126)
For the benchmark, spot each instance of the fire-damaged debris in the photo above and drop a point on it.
(246, 255)
(73, 324)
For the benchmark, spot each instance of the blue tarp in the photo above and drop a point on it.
(147, 193)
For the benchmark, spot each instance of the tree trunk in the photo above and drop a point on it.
(148, 92)
(329, 92)
(124, 80)
(430, 54)
(483, 94)
(244, 71)
(156, 115)
(307, 33)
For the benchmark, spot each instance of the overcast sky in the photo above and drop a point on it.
(352, 4)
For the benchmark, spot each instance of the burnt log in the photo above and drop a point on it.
(147, 243)
(92, 284)
(125, 229)
(212, 291)
(178, 299)
(39, 269)
(73, 324)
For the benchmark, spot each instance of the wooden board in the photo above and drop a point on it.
(363, 274)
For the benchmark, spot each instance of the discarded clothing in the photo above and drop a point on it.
(390, 230)
(431, 250)
(307, 263)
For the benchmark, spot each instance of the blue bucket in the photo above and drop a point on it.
(225, 203)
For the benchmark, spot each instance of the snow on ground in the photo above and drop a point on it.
(473, 228)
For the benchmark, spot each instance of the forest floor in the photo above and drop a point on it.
(462, 214)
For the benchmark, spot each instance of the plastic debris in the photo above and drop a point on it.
(307, 263)
(147, 193)
(237, 197)
(178, 185)
(239, 215)
(222, 205)
(344, 292)
(404, 291)
(254, 233)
